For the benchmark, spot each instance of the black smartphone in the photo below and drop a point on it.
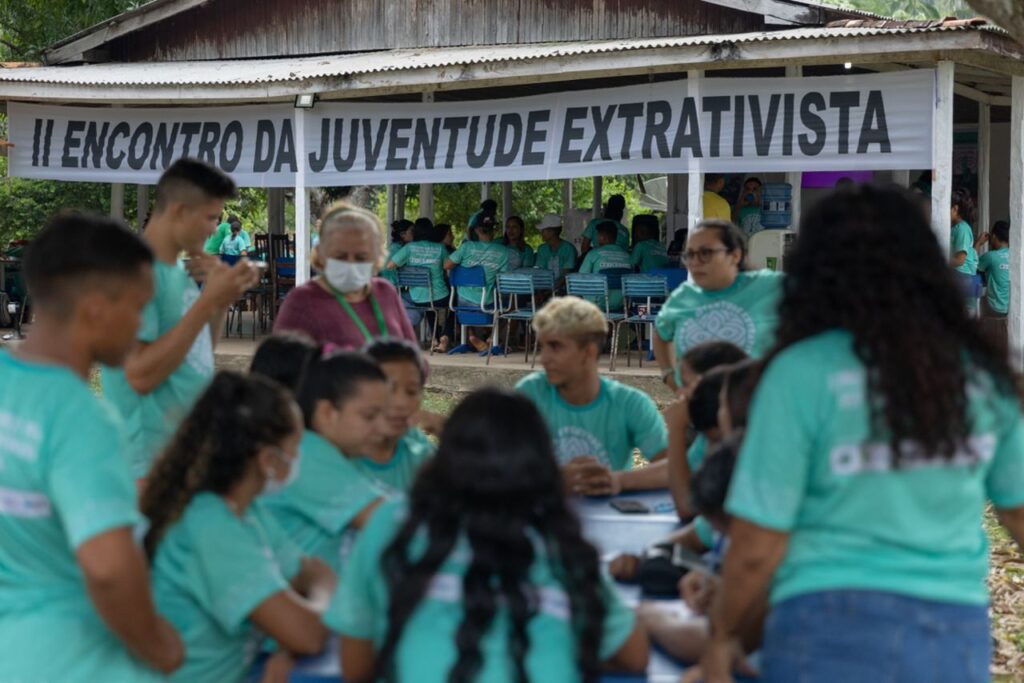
(630, 507)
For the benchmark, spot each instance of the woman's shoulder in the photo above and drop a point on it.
(383, 290)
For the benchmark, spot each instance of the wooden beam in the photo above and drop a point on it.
(785, 12)
(694, 175)
(302, 245)
(984, 167)
(74, 49)
(795, 178)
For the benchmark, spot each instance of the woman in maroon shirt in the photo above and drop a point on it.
(346, 305)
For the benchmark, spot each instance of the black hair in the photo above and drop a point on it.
(495, 485)
(399, 228)
(422, 230)
(397, 350)
(739, 384)
(1001, 230)
(489, 206)
(712, 178)
(441, 231)
(731, 237)
(232, 218)
(188, 175)
(703, 357)
(615, 208)
(646, 226)
(522, 230)
(704, 402)
(228, 425)
(867, 262)
(485, 225)
(335, 378)
(709, 486)
(962, 202)
(75, 246)
(845, 183)
(609, 230)
(753, 179)
(285, 357)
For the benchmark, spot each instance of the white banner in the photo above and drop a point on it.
(836, 123)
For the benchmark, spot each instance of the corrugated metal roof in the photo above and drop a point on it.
(260, 71)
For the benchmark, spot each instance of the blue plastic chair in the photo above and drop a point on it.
(643, 295)
(615, 276)
(673, 276)
(513, 288)
(595, 288)
(230, 259)
(417, 276)
(543, 279)
(470, 316)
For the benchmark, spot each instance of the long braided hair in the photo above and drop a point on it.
(867, 262)
(496, 483)
(232, 420)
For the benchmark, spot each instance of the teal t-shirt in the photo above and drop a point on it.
(963, 240)
(749, 220)
(621, 238)
(648, 255)
(64, 480)
(520, 258)
(697, 452)
(234, 246)
(389, 274)
(996, 266)
(397, 476)
(559, 261)
(492, 256)
(213, 243)
(429, 255)
(620, 419)
(316, 509)
(810, 468)
(605, 258)
(211, 570)
(153, 418)
(427, 650)
(745, 313)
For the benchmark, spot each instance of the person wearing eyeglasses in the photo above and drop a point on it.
(722, 300)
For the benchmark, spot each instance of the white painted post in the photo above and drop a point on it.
(942, 154)
(984, 167)
(301, 200)
(141, 206)
(795, 178)
(1016, 321)
(901, 178)
(597, 204)
(485, 190)
(566, 199)
(694, 176)
(672, 205)
(399, 202)
(506, 200)
(117, 201)
(427, 189)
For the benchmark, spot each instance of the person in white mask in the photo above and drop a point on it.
(347, 305)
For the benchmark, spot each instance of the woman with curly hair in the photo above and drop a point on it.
(883, 423)
(224, 572)
(483, 575)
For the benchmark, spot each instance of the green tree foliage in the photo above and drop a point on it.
(27, 27)
(913, 9)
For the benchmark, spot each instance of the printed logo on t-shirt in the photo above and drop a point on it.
(574, 442)
(857, 458)
(720, 321)
(200, 356)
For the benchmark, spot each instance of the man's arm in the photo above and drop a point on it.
(653, 476)
(150, 364)
(117, 581)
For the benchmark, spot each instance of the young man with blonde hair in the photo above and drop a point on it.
(595, 421)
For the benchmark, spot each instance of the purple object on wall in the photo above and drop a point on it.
(828, 179)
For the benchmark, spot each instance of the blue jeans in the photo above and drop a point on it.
(875, 637)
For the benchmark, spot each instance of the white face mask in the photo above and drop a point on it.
(346, 276)
(273, 486)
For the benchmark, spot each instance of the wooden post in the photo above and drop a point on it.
(141, 206)
(984, 167)
(275, 210)
(399, 202)
(302, 247)
(598, 191)
(795, 178)
(694, 176)
(506, 200)
(427, 189)
(1016, 320)
(942, 154)
(117, 201)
